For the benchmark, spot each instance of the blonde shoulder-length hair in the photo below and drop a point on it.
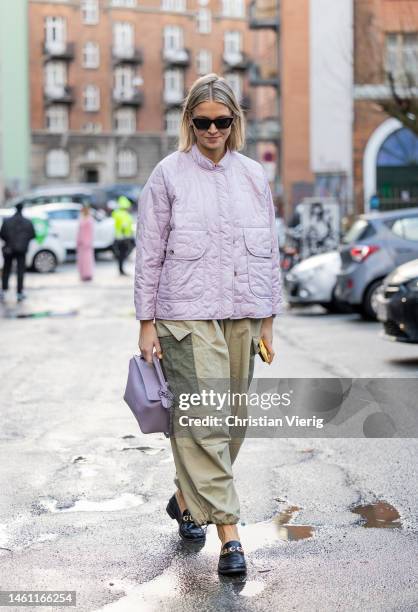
(211, 87)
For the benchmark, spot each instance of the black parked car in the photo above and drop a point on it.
(397, 303)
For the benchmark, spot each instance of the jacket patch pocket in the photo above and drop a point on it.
(259, 258)
(183, 273)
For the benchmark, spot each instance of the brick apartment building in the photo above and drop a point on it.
(264, 80)
(385, 154)
(107, 79)
(335, 139)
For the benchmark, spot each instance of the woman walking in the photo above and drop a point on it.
(207, 286)
(85, 244)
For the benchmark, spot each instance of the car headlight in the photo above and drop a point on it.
(413, 285)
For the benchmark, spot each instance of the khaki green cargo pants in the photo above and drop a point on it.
(208, 354)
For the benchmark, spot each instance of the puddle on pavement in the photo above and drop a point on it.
(379, 514)
(123, 502)
(148, 596)
(41, 314)
(169, 585)
(257, 535)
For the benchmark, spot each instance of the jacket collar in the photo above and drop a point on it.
(207, 163)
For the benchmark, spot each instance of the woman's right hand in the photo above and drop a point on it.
(147, 340)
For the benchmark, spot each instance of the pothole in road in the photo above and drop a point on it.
(123, 502)
(379, 514)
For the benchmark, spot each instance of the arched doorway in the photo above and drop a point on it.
(379, 150)
(397, 170)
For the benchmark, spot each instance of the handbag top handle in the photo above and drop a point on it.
(158, 369)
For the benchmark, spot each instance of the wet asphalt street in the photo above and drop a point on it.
(327, 524)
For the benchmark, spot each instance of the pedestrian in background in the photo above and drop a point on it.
(16, 232)
(124, 233)
(207, 286)
(85, 244)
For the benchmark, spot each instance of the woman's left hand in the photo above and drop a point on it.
(266, 333)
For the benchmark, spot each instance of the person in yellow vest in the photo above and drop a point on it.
(124, 233)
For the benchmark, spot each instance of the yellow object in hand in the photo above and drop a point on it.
(264, 354)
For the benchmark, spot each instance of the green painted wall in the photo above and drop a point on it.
(14, 93)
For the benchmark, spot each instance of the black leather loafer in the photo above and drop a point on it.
(188, 530)
(231, 559)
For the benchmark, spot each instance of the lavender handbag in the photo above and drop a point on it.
(148, 396)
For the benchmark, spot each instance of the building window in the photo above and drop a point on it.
(172, 122)
(57, 118)
(124, 82)
(173, 5)
(90, 11)
(204, 21)
(123, 39)
(91, 55)
(233, 8)
(402, 58)
(127, 163)
(174, 84)
(57, 163)
(55, 34)
(91, 98)
(232, 44)
(55, 74)
(234, 80)
(204, 62)
(173, 38)
(125, 121)
(124, 3)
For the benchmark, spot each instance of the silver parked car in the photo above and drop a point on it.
(374, 246)
(81, 193)
(312, 281)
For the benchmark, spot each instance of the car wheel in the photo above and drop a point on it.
(44, 262)
(369, 305)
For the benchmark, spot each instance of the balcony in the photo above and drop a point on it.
(264, 76)
(58, 95)
(127, 55)
(176, 57)
(264, 14)
(58, 50)
(173, 98)
(235, 61)
(134, 97)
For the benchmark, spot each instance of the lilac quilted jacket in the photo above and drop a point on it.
(206, 245)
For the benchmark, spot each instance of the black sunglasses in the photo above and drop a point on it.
(204, 123)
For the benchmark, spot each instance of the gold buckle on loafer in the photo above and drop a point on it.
(230, 549)
(187, 518)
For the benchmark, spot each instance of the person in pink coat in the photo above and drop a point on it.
(85, 245)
